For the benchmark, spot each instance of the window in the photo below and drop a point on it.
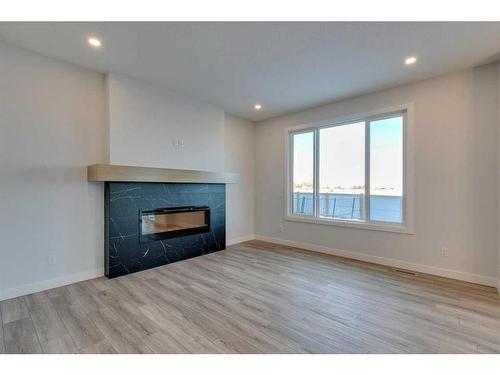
(386, 170)
(303, 173)
(350, 173)
(342, 172)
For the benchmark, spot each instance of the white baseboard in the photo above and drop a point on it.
(49, 284)
(422, 268)
(234, 241)
(92, 274)
(77, 277)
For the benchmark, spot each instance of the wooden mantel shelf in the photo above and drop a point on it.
(123, 173)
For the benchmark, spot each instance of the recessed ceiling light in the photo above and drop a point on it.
(410, 60)
(257, 107)
(94, 42)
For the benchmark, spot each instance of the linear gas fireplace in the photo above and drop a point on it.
(164, 223)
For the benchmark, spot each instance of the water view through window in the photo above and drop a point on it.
(303, 173)
(386, 170)
(342, 170)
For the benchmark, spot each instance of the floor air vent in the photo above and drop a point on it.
(406, 272)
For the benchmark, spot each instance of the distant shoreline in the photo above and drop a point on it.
(381, 192)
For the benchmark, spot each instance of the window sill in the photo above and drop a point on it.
(383, 227)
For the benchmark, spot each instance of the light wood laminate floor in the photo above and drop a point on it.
(257, 297)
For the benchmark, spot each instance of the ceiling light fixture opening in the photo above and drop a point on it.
(410, 60)
(257, 107)
(94, 42)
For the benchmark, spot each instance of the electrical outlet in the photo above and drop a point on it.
(177, 143)
(444, 252)
(282, 229)
(51, 259)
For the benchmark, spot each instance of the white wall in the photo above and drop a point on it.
(54, 121)
(456, 178)
(52, 124)
(240, 158)
(145, 119)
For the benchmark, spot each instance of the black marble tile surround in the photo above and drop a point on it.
(123, 200)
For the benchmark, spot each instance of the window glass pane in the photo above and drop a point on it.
(303, 173)
(386, 170)
(342, 171)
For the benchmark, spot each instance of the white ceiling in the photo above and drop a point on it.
(284, 66)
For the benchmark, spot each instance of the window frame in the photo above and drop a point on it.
(408, 159)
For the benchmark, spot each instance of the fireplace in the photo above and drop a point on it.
(149, 224)
(171, 222)
(157, 216)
